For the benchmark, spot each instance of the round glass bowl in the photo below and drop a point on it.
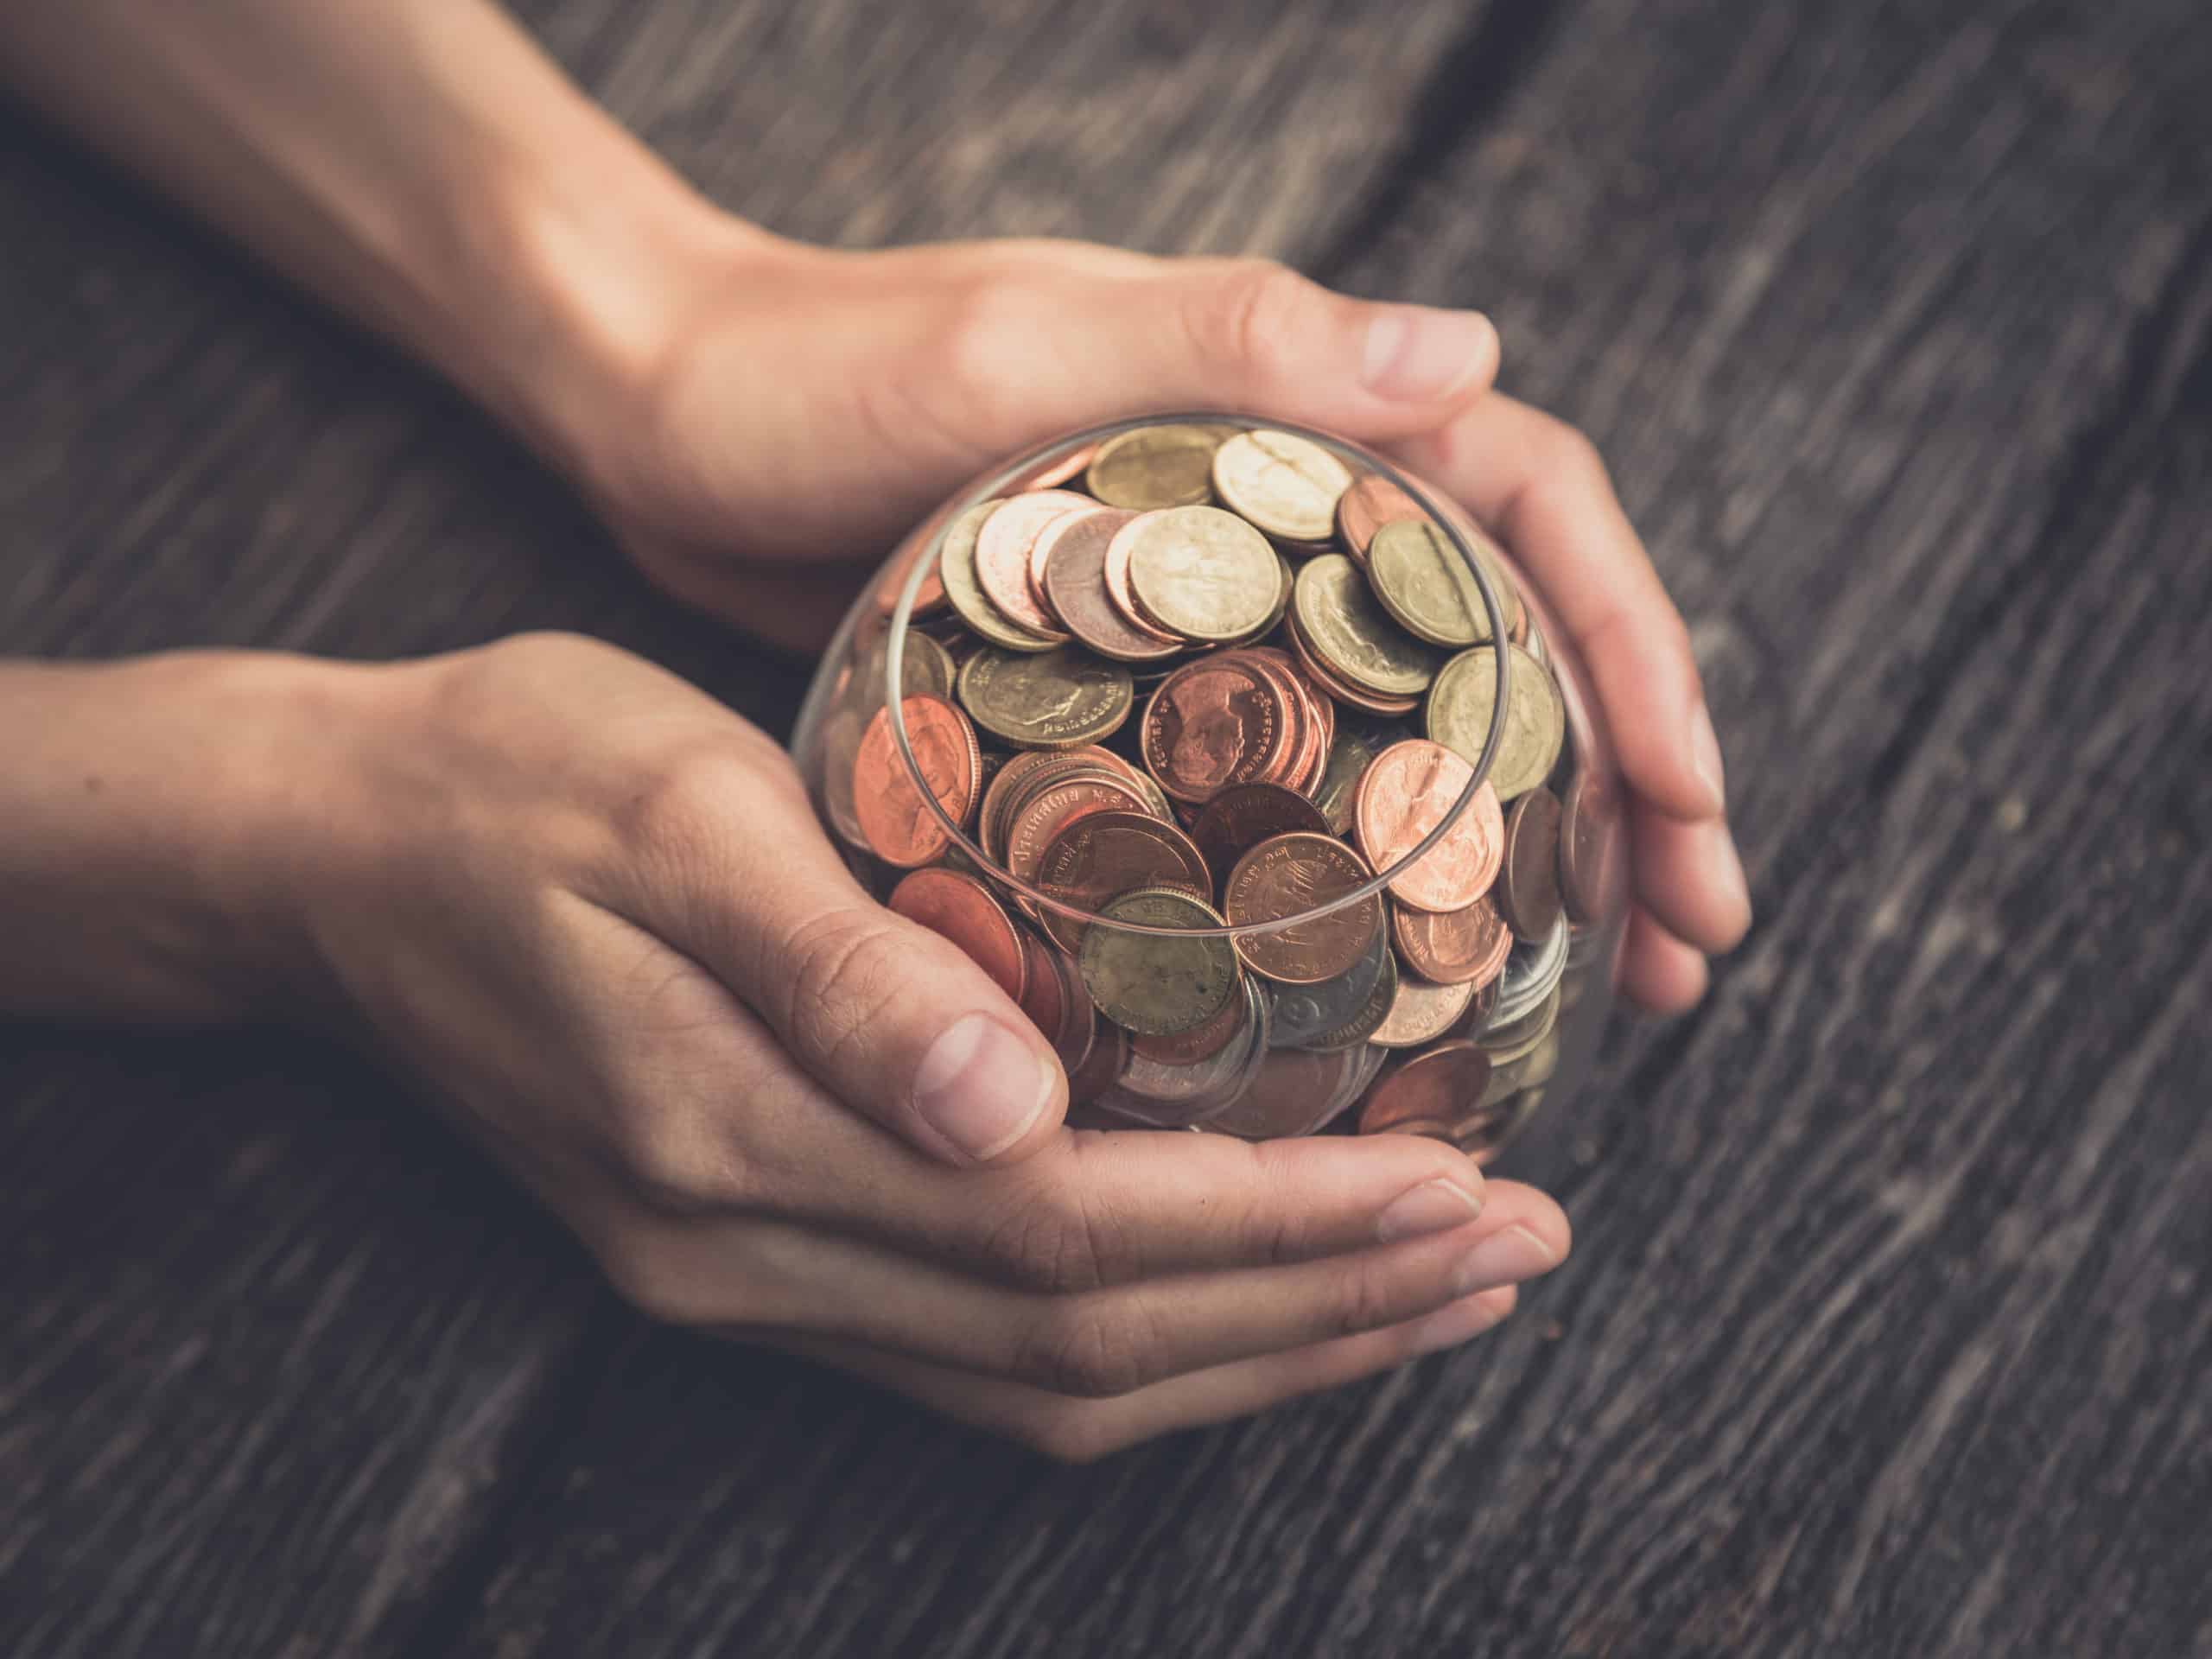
(1203, 745)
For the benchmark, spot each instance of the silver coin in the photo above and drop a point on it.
(1175, 1097)
(1531, 972)
(1298, 1013)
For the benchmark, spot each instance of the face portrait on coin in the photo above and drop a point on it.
(1211, 740)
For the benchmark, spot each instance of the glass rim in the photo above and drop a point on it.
(927, 558)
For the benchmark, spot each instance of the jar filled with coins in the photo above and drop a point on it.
(1255, 773)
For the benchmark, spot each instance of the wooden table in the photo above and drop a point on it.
(1888, 1330)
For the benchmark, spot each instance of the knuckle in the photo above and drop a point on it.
(1255, 314)
(1088, 1349)
(1059, 1238)
(843, 968)
(1570, 451)
(670, 807)
(990, 326)
(1363, 1300)
(636, 1268)
(680, 1164)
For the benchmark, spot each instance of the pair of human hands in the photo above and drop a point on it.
(593, 908)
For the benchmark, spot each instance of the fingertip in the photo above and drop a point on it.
(1426, 354)
(1657, 971)
(987, 1092)
(1690, 878)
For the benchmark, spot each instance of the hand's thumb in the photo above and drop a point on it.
(1252, 335)
(893, 1019)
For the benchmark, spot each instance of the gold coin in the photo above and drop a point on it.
(1285, 484)
(1154, 467)
(1047, 700)
(1157, 986)
(1423, 582)
(957, 567)
(1535, 719)
(1204, 573)
(1353, 635)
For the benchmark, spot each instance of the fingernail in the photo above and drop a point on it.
(1504, 1258)
(981, 1086)
(1705, 760)
(1431, 1207)
(1416, 351)
(1453, 1323)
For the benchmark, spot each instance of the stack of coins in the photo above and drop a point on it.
(1195, 677)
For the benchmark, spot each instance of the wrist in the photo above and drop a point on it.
(587, 260)
(158, 813)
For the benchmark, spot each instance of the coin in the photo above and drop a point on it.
(1593, 873)
(1059, 470)
(1340, 690)
(1049, 699)
(963, 910)
(1485, 1133)
(1352, 637)
(1439, 1085)
(1299, 1014)
(1201, 1042)
(1285, 876)
(1510, 1041)
(1043, 817)
(1002, 546)
(1202, 573)
(1213, 721)
(841, 743)
(1426, 584)
(1169, 1094)
(1154, 467)
(1296, 1092)
(1454, 947)
(1097, 857)
(1527, 888)
(1459, 717)
(1420, 1011)
(1099, 1070)
(1532, 973)
(1242, 816)
(1410, 789)
(957, 569)
(886, 800)
(1075, 586)
(1369, 504)
(1348, 755)
(1116, 575)
(1285, 484)
(1363, 1026)
(1153, 984)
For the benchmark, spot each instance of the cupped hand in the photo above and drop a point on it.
(592, 908)
(803, 408)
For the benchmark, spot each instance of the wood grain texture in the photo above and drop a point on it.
(1887, 1329)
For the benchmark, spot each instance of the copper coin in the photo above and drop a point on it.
(1309, 726)
(1369, 504)
(1120, 594)
(1073, 550)
(1242, 815)
(1453, 947)
(1200, 1043)
(1043, 996)
(1049, 473)
(1052, 810)
(1410, 789)
(1420, 1011)
(1294, 1094)
(1528, 887)
(1439, 1085)
(1097, 857)
(1287, 875)
(1101, 1068)
(1211, 722)
(1002, 555)
(888, 801)
(963, 910)
(1594, 869)
(1005, 786)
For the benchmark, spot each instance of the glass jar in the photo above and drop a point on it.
(1203, 748)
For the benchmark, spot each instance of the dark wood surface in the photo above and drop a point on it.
(1889, 1329)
